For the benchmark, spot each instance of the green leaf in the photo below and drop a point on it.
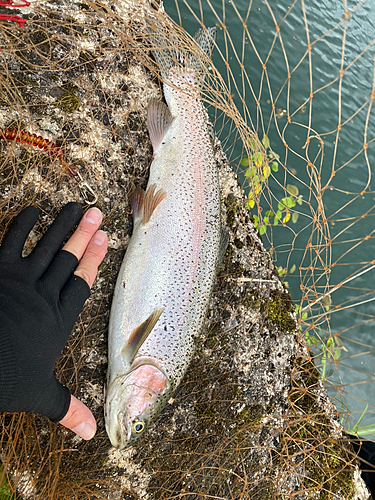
(281, 271)
(256, 219)
(293, 190)
(245, 161)
(254, 144)
(292, 269)
(275, 166)
(275, 221)
(247, 173)
(269, 213)
(266, 220)
(286, 202)
(337, 354)
(295, 217)
(257, 158)
(273, 156)
(278, 215)
(266, 172)
(299, 199)
(266, 142)
(330, 342)
(304, 315)
(262, 229)
(289, 202)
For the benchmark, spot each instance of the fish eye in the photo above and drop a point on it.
(138, 427)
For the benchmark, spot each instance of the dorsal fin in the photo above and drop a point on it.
(139, 335)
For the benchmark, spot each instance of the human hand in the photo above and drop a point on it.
(40, 298)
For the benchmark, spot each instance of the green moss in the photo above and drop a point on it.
(278, 310)
(231, 266)
(238, 243)
(209, 459)
(233, 207)
(328, 463)
(329, 467)
(38, 36)
(68, 101)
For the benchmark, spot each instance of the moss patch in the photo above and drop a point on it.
(211, 458)
(278, 310)
(233, 207)
(68, 101)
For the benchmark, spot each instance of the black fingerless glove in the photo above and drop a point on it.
(40, 299)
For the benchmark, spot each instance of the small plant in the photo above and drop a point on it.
(358, 430)
(6, 492)
(283, 271)
(259, 169)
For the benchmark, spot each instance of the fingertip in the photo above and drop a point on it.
(93, 256)
(80, 420)
(85, 430)
(100, 238)
(14, 239)
(93, 216)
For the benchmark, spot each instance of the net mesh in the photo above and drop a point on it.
(290, 97)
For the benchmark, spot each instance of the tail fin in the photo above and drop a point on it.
(169, 52)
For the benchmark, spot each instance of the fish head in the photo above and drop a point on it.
(132, 401)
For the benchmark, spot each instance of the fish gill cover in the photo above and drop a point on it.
(289, 91)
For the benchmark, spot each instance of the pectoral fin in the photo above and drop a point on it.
(144, 204)
(139, 335)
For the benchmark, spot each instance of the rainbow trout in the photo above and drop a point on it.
(165, 282)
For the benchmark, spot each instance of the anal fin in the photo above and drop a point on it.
(139, 335)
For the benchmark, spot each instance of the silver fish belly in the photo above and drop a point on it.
(164, 285)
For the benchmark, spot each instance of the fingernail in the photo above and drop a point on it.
(85, 430)
(100, 238)
(93, 215)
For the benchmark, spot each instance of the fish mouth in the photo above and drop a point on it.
(122, 438)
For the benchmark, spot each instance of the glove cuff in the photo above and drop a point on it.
(62, 402)
(7, 369)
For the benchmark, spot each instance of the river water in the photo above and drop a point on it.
(337, 43)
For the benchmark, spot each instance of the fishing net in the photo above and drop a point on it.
(289, 91)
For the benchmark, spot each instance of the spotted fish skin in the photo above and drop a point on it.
(170, 264)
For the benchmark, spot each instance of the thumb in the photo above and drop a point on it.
(79, 419)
